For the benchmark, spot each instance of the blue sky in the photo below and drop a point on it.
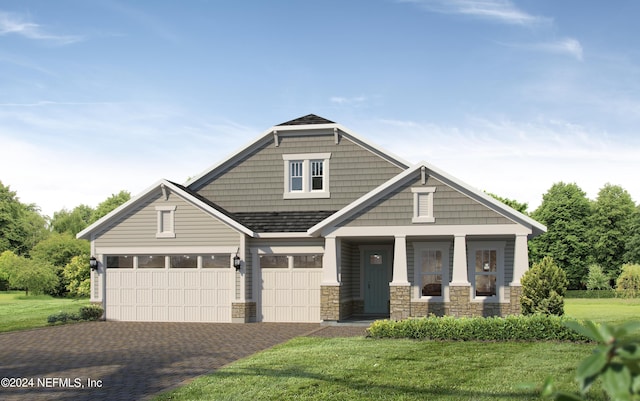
(508, 96)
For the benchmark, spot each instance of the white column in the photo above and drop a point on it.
(243, 269)
(330, 262)
(460, 276)
(520, 258)
(400, 275)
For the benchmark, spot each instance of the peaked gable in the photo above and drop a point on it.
(309, 119)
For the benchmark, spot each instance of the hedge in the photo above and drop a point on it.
(86, 313)
(591, 294)
(510, 328)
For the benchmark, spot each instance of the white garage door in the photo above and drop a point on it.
(169, 295)
(290, 295)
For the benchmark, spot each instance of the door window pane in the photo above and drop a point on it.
(307, 261)
(184, 261)
(151, 262)
(120, 262)
(216, 261)
(274, 261)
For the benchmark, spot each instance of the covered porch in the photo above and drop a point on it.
(410, 274)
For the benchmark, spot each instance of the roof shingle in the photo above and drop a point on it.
(309, 119)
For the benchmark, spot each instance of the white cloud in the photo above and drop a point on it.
(518, 160)
(11, 23)
(568, 46)
(495, 10)
(348, 100)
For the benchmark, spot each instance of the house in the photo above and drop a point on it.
(309, 223)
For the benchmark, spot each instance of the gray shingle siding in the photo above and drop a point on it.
(256, 183)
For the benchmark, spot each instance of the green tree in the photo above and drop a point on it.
(565, 210)
(628, 283)
(632, 244)
(71, 222)
(58, 250)
(28, 274)
(512, 203)
(596, 279)
(77, 273)
(610, 224)
(543, 289)
(21, 226)
(109, 204)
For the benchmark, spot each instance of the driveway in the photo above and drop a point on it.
(131, 361)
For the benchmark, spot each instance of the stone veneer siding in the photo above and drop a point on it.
(330, 302)
(400, 301)
(243, 312)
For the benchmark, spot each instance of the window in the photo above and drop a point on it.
(306, 175)
(151, 262)
(432, 268)
(120, 262)
(307, 261)
(216, 261)
(166, 219)
(486, 260)
(274, 261)
(423, 204)
(184, 261)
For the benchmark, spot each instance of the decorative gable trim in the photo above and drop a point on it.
(162, 185)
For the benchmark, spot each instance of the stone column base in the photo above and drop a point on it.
(243, 312)
(330, 302)
(399, 301)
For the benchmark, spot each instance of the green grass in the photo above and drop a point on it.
(19, 312)
(603, 310)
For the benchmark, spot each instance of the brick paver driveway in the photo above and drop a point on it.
(131, 361)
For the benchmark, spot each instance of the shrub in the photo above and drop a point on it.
(91, 312)
(590, 294)
(628, 283)
(596, 279)
(511, 328)
(543, 288)
(63, 317)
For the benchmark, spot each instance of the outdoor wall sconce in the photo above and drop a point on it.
(93, 263)
(236, 262)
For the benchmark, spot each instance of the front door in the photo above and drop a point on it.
(377, 275)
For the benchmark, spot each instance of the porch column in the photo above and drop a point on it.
(520, 258)
(400, 275)
(330, 262)
(400, 288)
(330, 286)
(460, 276)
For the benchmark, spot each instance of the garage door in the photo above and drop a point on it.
(169, 295)
(289, 295)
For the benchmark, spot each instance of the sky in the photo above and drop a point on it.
(509, 96)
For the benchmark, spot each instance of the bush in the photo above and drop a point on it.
(590, 294)
(511, 328)
(543, 288)
(86, 313)
(596, 279)
(91, 312)
(628, 283)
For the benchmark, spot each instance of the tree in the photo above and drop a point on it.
(72, 222)
(596, 279)
(21, 226)
(628, 283)
(543, 289)
(58, 250)
(110, 204)
(78, 275)
(514, 204)
(610, 224)
(632, 244)
(28, 274)
(565, 210)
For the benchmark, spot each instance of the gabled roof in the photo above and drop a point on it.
(402, 178)
(281, 222)
(309, 119)
(306, 123)
(189, 196)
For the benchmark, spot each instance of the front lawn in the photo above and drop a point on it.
(19, 312)
(603, 310)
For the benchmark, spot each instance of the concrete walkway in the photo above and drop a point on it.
(132, 361)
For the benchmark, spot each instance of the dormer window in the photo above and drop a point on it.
(306, 175)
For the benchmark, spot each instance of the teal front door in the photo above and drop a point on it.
(377, 275)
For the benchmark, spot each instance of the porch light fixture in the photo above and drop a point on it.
(236, 262)
(93, 263)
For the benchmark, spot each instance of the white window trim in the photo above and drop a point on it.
(306, 192)
(499, 246)
(164, 232)
(443, 247)
(417, 217)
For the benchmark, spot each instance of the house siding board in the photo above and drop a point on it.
(256, 183)
(450, 207)
(193, 227)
